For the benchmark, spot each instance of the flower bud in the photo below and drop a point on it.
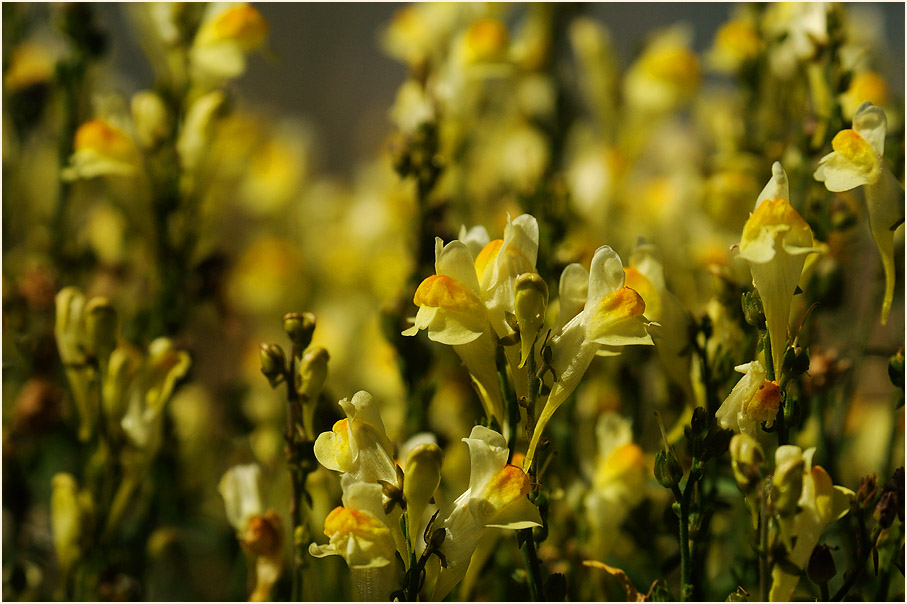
(896, 369)
(795, 362)
(530, 301)
(886, 509)
(821, 567)
(273, 362)
(667, 468)
(122, 368)
(747, 458)
(699, 423)
(867, 491)
(299, 327)
(68, 329)
(752, 309)
(101, 328)
(152, 122)
(311, 373)
(65, 519)
(421, 479)
(787, 482)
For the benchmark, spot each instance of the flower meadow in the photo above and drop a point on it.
(579, 328)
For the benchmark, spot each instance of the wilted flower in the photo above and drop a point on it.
(752, 402)
(858, 159)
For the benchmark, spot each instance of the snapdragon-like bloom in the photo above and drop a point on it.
(358, 532)
(358, 446)
(228, 32)
(496, 498)
(820, 503)
(775, 242)
(102, 148)
(857, 160)
(753, 400)
(611, 316)
(240, 487)
(465, 304)
(619, 480)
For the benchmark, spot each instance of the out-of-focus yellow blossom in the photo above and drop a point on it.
(671, 335)
(275, 172)
(865, 86)
(736, 43)
(600, 73)
(358, 533)
(101, 149)
(240, 487)
(105, 231)
(753, 400)
(775, 242)
(144, 419)
(358, 446)
(420, 32)
(30, 64)
(795, 31)
(150, 118)
(665, 76)
(195, 135)
(228, 32)
(485, 41)
(612, 316)
(858, 160)
(619, 481)
(820, 503)
(412, 107)
(496, 497)
(263, 277)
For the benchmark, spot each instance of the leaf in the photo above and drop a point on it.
(633, 594)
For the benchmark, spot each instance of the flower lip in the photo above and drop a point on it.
(441, 291)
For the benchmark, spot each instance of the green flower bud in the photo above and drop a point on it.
(668, 471)
(273, 362)
(530, 301)
(299, 327)
(752, 309)
(821, 567)
(101, 328)
(121, 370)
(747, 458)
(311, 373)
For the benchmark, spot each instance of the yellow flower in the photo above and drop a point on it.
(357, 531)
(358, 446)
(229, 31)
(865, 86)
(240, 487)
(736, 43)
(496, 497)
(857, 160)
(101, 149)
(612, 316)
(775, 242)
(820, 503)
(665, 76)
(753, 400)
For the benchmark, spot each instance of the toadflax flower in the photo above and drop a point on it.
(357, 531)
(612, 315)
(775, 242)
(753, 400)
(465, 304)
(102, 148)
(819, 504)
(228, 32)
(496, 498)
(858, 159)
(358, 446)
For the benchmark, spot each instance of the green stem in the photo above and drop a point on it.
(763, 546)
(533, 566)
(297, 475)
(686, 565)
(823, 591)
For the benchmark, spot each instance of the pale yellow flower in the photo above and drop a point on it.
(857, 160)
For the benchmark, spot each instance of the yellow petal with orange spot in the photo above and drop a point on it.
(859, 152)
(100, 136)
(486, 256)
(763, 407)
(242, 24)
(350, 521)
(638, 282)
(506, 486)
(440, 291)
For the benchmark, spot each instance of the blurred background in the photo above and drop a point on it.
(326, 65)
